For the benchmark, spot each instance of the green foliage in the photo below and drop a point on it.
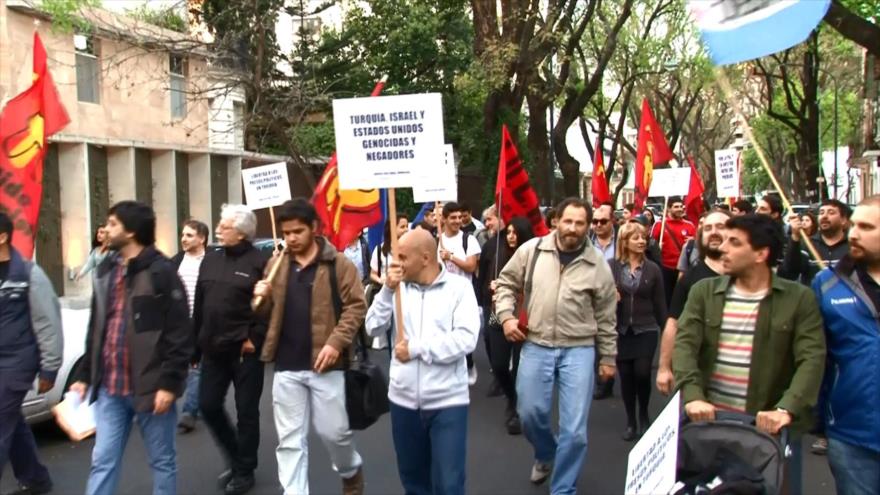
(65, 14)
(315, 139)
(754, 179)
(164, 18)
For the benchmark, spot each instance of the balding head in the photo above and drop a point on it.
(417, 253)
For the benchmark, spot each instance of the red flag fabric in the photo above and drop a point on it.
(652, 150)
(513, 191)
(599, 187)
(25, 123)
(345, 214)
(693, 203)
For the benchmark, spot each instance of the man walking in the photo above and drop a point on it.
(138, 348)
(830, 242)
(849, 297)
(193, 241)
(752, 342)
(428, 392)
(31, 345)
(316, 306)
(230, 337)
(675, 231)
(603, 235)
(571, 301)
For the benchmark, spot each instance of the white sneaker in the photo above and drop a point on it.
(540, 472)
(472, 376)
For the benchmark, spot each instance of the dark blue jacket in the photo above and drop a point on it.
(849, 403)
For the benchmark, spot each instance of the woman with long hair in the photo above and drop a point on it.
(100, 249)
(809, 225)
(641, 312)
(505, 354)
(379, 262)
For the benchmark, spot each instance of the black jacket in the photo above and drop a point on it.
(646, 307)
(160, 344)
(799, 265)
(222, 314)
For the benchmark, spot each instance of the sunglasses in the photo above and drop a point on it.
(600, 221)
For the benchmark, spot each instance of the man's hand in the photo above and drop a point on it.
(162, 402)
(772, 421)
(263, 289)
(511, 330)
(247, 347)
(445, 255)
(394, 275)
(44, 386)
(326, 358)
(401, 351)
(80, 388)
(665, 381)
(699, 410)
(606, 372)
(794, 221)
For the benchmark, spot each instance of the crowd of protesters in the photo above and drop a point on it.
(745, 318)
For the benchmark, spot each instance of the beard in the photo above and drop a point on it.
(570, 242)
(118, 243)
(713, 252)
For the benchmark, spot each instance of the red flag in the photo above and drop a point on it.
(25, 123)
(345, 214)
(693, 203)
(599, 187)
(513, 191)
(652, 150)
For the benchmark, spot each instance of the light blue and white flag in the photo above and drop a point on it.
(739, 30)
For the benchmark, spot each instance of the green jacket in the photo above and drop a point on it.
(788, 354)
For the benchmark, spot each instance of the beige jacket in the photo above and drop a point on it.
(576, 306)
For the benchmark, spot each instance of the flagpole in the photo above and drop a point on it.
(498, 231)
(663, 221)
(724, 84)
(392, 217)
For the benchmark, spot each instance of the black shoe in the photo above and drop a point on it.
(495, 389)
(514, 426)
(629, 434)
(186, 424)
(224, 479)
(32, 489)
(240, 485)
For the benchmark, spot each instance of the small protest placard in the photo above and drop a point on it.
(650, 468)
(727, 173)
(266, 186)
(438, 184)
(670, 182)
(384, 141)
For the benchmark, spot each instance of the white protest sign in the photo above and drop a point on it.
(438, 184)
(726, 173)
(650, 468)
(266, 186)
(670, 182)
(383, 141)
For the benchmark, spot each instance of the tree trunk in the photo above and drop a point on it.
(539, 147)
(854, 28)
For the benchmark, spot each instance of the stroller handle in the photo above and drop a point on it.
(749, 419)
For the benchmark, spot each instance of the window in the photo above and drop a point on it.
(238, 124)
(306, 27)
(177, 71)
(88, 69)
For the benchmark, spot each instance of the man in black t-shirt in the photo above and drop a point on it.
(710, 235)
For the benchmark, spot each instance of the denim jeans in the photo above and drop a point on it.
(191, 396)
(431, 448)
(303, 398)
(113, 416)
(856, 469)
(571, 370)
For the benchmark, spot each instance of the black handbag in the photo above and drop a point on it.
(366, 388)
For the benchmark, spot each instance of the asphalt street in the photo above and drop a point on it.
(497, 462)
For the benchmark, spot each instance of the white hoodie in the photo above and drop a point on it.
(441, 322)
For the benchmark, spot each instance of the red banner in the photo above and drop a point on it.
(652, 150)
(25, 123)
(693, 204)
(513, 192)
(599, 186)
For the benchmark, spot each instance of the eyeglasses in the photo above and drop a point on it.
(600, 221)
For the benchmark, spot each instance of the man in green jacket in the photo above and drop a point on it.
(751, 342)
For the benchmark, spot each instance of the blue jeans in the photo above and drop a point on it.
(856, 469)
(191, 396)
(431, 449)
(114, 416)
(571, 370)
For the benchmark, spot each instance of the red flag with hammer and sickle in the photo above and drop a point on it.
(652, 150)
(513, 192)
(25, 123)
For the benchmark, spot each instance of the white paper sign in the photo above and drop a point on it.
(726, 173)
(383, 141)
(438, 184)
(670, 182)
(266, 186)
(650, 468)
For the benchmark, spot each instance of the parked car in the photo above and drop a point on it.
(75, 321)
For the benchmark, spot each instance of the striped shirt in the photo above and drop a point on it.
(188, 271)
(117, 365)
(729, 384)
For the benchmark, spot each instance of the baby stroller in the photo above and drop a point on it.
(730, 456)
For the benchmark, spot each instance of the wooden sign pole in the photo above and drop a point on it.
(398, 305)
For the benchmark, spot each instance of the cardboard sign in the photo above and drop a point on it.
(266, 186)
(384, 141)
(438, 184)
(727, 173)
(650, 468)
(670, 182)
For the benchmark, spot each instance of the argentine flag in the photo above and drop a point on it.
(739, 30)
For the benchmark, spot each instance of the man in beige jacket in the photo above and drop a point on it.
(571, 301)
